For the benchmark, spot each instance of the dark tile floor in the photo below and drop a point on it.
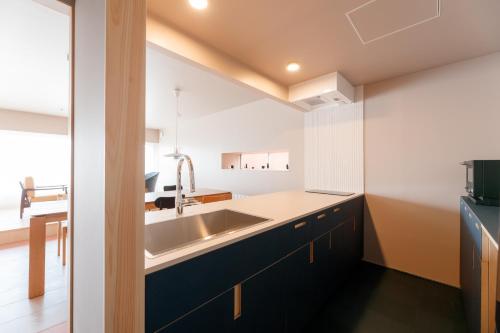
(380, 300)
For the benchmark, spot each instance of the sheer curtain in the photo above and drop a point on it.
(45, 157)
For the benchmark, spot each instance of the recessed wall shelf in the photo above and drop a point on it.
(273, 161)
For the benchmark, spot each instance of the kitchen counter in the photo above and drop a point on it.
(489, 216)
(152, 196)
(279, 207)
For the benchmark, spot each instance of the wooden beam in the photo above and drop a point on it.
(176, 43)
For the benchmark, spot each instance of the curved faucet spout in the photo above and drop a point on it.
(179, 201)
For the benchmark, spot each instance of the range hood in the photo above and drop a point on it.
(327, 90)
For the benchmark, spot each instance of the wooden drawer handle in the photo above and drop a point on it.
(321, 216)
(237, 302)
(300, 225)
(336, 210)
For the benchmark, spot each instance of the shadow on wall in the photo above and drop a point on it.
(372, 246)
(412, 237)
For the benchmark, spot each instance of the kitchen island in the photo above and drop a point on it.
(279, 207)
(271, 276)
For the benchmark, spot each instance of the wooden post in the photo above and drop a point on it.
(108, 194)
(124, 179)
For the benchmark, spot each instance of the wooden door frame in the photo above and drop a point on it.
(71, 4)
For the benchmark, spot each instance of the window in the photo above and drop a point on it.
(45, 157)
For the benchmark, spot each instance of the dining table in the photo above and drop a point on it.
(41, 214)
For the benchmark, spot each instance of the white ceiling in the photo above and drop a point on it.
(33, 58)
(35, 71)
(202, 92)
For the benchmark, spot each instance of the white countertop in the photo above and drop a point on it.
(280, 207)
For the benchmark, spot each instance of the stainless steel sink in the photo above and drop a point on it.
(164, 237)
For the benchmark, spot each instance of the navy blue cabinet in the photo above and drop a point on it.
(323, 268)
(272, 282)
(299, 289)
(470, 267)
(214, 316)
(338, 256)
(263, 301)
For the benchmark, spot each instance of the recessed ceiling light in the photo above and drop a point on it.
(199, 4)
(293, 67)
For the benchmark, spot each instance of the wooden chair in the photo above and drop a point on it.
(29, 195)
(62, 235)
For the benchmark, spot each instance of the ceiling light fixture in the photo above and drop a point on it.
(199, 4)
(293, 67)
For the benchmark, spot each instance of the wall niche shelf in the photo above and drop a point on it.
(255, 161)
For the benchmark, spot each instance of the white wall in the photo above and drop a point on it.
(334, 147)
(260, 126)
(89, 168)
(417, 129)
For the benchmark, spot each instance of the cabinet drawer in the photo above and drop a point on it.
(342, 211)
(296, 234)
(329, 218)
(322, 222)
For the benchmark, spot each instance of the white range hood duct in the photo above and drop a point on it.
(327, 90)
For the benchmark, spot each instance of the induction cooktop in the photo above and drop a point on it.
(344, 194)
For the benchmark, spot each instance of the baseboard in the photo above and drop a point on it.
(22, 234)
(410, 273)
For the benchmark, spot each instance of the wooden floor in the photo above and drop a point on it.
(19, 314)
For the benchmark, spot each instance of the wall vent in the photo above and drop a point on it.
(315, 101)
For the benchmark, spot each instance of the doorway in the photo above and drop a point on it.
(35, 174)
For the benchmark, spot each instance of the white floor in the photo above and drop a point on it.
(17, 312)
(9, 219)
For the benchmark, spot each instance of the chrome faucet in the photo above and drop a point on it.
(179, 201)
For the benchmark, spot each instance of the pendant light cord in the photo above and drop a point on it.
(177, 93)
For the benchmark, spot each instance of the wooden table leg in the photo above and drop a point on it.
(37, 257)
(59, 234)
(64, 236)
